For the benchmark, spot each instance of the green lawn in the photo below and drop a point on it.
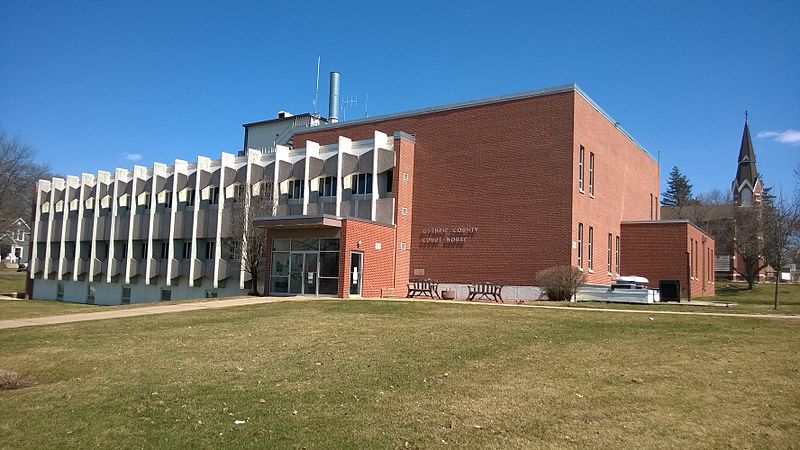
(372, 374)
(11, 281)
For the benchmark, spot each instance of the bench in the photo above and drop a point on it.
(428, 288)
(485, 290)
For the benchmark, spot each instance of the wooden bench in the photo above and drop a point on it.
(485, 290)
(428, 288)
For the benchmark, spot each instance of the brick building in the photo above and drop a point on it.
(489, 190)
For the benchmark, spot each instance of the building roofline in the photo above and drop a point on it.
(572, 87)
(665, 222)
(279, 119)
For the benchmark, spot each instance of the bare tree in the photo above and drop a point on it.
(246, 242)
(18, 174)
(747, 242)
(716, 197)
(781, 233)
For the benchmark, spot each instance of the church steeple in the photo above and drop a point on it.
(747, 185)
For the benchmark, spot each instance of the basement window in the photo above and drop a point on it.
(166, 295)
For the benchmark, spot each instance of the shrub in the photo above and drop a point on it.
(561, 282)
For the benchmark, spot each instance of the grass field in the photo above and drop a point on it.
(395, 374)
(11, 281)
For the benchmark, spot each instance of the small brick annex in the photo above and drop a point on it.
(670, 250)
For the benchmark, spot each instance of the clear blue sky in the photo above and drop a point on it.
(89, 84)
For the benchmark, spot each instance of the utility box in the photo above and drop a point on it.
(669, 290)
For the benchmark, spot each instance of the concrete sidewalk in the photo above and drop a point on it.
(113, 313)
(246, 301)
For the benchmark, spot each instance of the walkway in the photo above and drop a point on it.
(115, 313)
(247, 301)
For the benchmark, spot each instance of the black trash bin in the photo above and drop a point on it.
(669, 290)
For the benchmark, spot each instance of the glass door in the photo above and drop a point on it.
(303, 273)
(310, 273)
(356, 273)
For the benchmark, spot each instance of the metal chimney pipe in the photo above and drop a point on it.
(333, 99)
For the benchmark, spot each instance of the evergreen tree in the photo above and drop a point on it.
(679, 190)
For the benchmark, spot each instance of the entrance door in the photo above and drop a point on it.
(356, 273)
(303, 273)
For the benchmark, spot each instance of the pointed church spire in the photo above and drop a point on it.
(747, 158)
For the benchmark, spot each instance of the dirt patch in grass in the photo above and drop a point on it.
(11, 381)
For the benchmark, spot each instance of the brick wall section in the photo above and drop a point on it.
(503, 168)
(378, 279)
(624, 179)
(404, 195)
(657, 251)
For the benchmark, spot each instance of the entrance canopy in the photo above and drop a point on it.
(298, 222)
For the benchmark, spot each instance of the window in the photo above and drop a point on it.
(91, 290)
(610, 238)
(651, 206)
(126, 295)
(187, 250)
(143, 252)
(89, 203)
(590, 254)
(591, 173)
(389, 180)
(60, 291)
(124, 250)
(362, 183)
(616, 260)
(691, 258)
(296, 189)
(20, 235)
(167, 199)
(213, 195)
(402, 246)
(327, 187)
(166, 295)
(211, 294)
(580, 168)
(238, 193)
(164, 250)
(144, 199)
(580, 245)
(189, 197)
(404, 211)
(210, 247)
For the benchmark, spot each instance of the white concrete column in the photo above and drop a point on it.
(102, 178)
(226, 160)
(86, 179)
(345, 146)
(181, 167)
(281, 154)
(203, 163)
(252, 158)
(159, 170)
(312, 151)
(54, 185)
(119, 174)
(72, 182)
(139, 176)
(41, 186)
(378, 142)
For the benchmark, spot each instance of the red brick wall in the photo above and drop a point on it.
(624, 179)
(658, 250)
(503, 168)
(378, 278)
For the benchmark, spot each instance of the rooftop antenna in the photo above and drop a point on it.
(745, 116)
(316, 90)
(366, 106)
(349, 101)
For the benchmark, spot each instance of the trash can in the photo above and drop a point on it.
(670, 290)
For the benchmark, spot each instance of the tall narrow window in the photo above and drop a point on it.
(362, 183)
(238, 193)
(296, 189)
(213, 195)
(616, 263)
(210, 247)
(580, 168)
(187, 250)
(580, 245)
(591, 173)
(164, 250)
(189, 197)
(143, 253)
(591, 249)
(651, 206)
(327, 187)
(691, 258)
(609, 251)
(389, 180)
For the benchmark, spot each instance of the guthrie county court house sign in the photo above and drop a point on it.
(435, 236)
